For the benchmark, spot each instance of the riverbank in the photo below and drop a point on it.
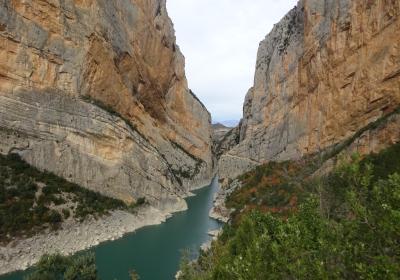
(74, 236)
(219, 211)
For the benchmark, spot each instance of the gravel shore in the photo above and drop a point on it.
(75, 236)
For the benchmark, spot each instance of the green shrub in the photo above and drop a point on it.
(57, 267)
(66, 213)
(22, 213)
(346, 227)
(139, 202)
(77, 267)
(54, 217)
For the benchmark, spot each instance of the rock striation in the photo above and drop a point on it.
(327, 70)
(95, 91)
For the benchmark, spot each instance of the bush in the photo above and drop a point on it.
(57, 267)
(346, 227)
(139, 202)
(22, 213)
(54, 217)
(66, 213)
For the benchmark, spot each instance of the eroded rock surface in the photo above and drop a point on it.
(325, 71)
(95, 91)
(224, 138)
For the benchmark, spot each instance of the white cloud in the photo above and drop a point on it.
(219, 39)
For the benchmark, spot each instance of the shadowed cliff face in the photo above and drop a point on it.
(328, 69)
(95, 91)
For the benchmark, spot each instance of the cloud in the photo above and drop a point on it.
(219, 39)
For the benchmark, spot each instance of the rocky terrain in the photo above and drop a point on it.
(219, 211)
(224, 138)
(218, 131)
(95, 91)
(325, 72)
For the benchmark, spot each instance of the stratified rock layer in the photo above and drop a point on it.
(95, 91)
(326, 70)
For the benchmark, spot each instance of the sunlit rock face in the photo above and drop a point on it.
(325, 71)
(95, 91)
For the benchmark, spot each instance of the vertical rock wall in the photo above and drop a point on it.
(328, 69)
(95, 91)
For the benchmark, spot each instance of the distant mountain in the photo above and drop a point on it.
(228, 123)
(219, 126)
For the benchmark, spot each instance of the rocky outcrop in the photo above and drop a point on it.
(95, 91)
(218, 132)
(328, 69)
(224, 138)
(219, 211)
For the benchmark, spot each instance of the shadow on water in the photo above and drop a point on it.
(154, 252)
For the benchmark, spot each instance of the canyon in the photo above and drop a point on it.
(95, 92)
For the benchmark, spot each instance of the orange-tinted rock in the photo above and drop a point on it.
(96, 91)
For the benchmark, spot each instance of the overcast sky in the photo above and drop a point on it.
(219, 39)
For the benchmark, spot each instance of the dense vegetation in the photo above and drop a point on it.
(57, 267)
(290, 225)
(273, 187)
(32, 200)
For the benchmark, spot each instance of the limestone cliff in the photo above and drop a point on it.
(327, 70)
(95, 91)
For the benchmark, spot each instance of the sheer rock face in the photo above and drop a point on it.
(95, 91)
(326, 70)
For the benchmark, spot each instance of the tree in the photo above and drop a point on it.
(57, 267)
(348, 228)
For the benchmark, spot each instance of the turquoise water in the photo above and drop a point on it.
(155, 251)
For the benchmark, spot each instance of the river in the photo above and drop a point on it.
(154, 252)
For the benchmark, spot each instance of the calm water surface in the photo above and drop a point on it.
(155, 251)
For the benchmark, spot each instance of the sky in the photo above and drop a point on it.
(219, 39)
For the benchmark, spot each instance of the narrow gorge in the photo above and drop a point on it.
(100, 135)
(95, 92)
